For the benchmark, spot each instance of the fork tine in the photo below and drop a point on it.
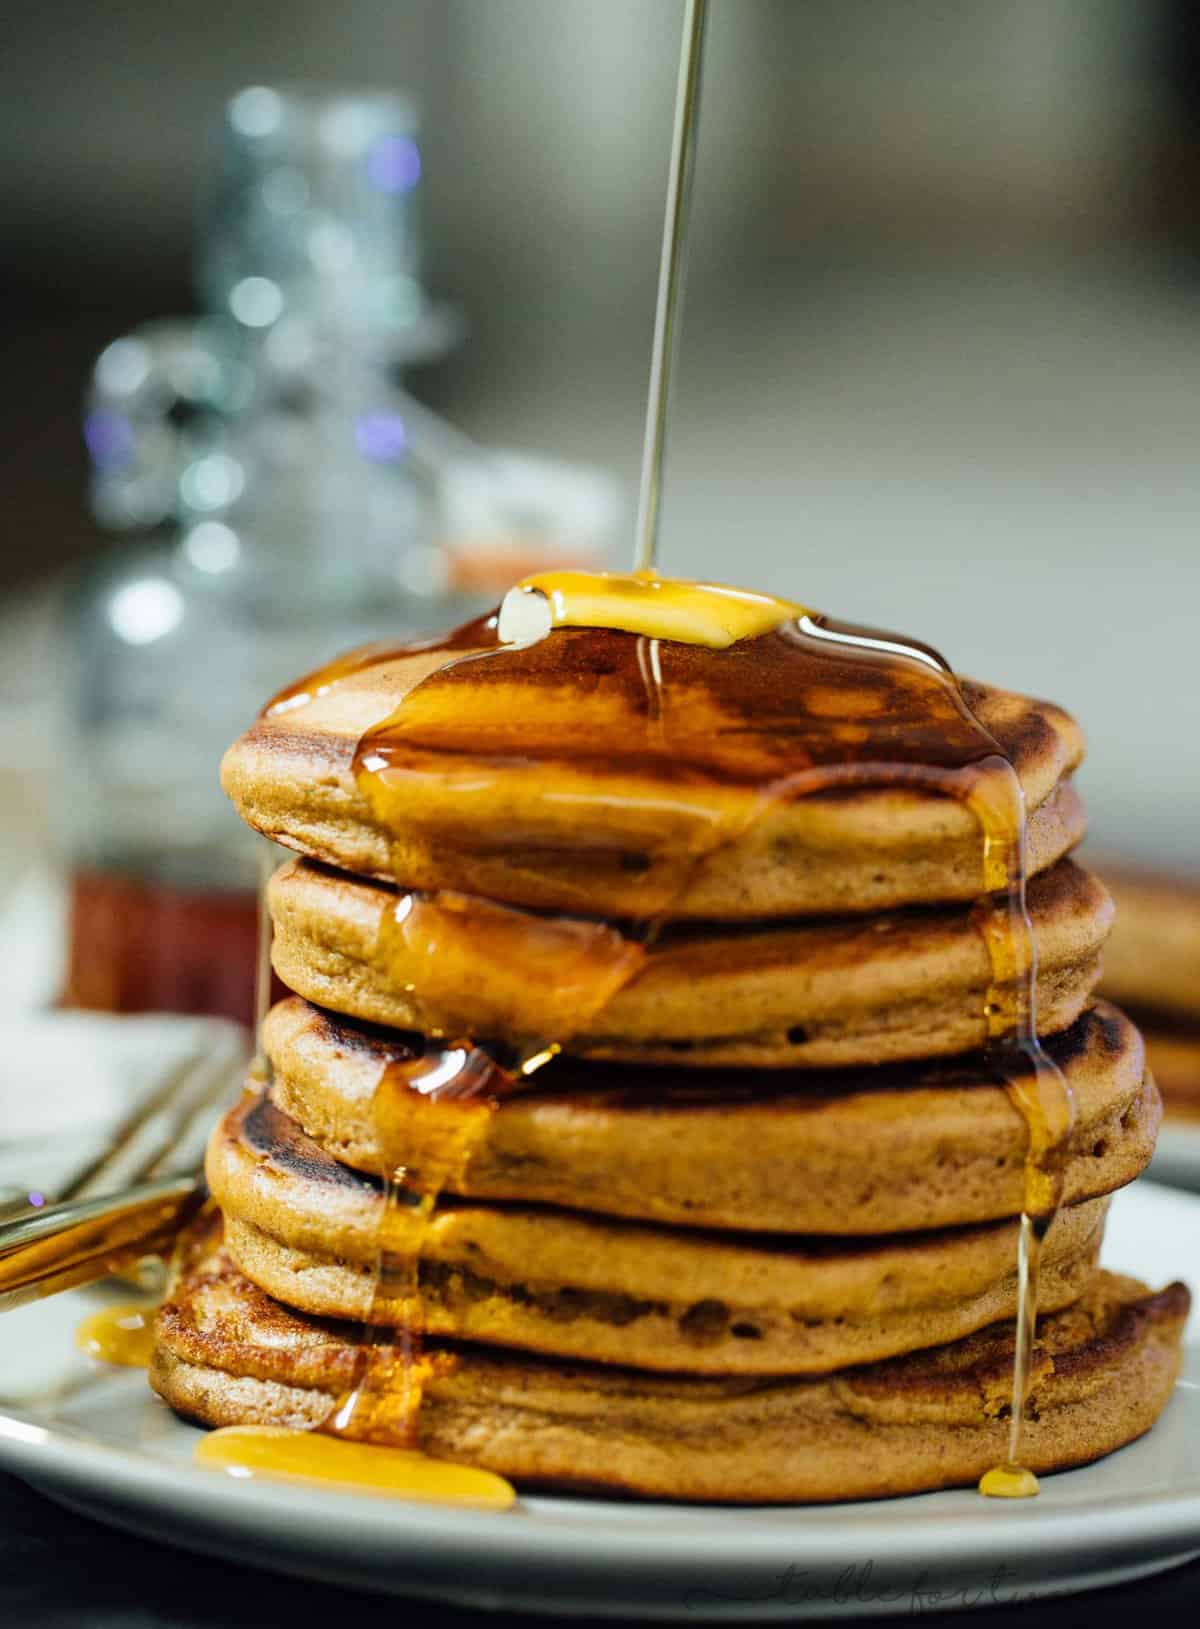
(96, 1170)
(91, 1230)
(146, 1139)
(190, 1132)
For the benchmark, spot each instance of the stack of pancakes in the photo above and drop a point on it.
(754, 1235)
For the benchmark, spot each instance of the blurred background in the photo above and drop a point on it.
(940, 371)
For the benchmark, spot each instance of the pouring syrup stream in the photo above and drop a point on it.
(670, 282)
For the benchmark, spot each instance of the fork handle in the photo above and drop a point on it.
(77, 1241)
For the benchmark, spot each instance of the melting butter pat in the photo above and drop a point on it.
(691, 613)
(246, 1451)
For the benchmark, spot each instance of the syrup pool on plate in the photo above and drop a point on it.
(122, 1334)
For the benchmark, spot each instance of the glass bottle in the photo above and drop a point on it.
(280, 512)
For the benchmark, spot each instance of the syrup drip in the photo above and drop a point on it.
(121, 1334)
(1036, 1086)
(511, 962)
(385, 1401)
(1009, 1481)
(811, 707)
(453, 1089)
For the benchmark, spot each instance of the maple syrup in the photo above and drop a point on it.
(807, 707)
(455, 1088)
(122, 1334)
(561, 967)
(248, 1451)
(480, 634)
(1008, 1481)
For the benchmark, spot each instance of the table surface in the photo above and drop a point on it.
(59, 1569)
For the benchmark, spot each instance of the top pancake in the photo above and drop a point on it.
(583, 775)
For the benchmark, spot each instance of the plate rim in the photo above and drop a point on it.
(709, 1542)
(35, 1446)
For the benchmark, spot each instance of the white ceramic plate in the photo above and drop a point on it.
(96, 1440)
(1177, 1156)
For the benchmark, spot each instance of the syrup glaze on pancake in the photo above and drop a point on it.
(841, 707)
(1104, 1368)
(307, 1230)
(859, 848)
(582, 715)
(743, 1149)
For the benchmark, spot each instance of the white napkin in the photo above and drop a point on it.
(68, 1080)
(33, 937)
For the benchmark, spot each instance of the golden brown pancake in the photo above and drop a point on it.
(543, 780)
(1177, 1053)
(801, 1153)
(228, 1354)
(909, 984)
(1152, 962)
(309, 1231)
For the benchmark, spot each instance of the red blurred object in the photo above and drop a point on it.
(143, 946)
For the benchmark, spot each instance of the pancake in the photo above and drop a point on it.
(1152, 962)
(1175, 1055)
(540, 784)
(788, 1153)
(227, 1354)
(910, 984)
(310, 1232)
